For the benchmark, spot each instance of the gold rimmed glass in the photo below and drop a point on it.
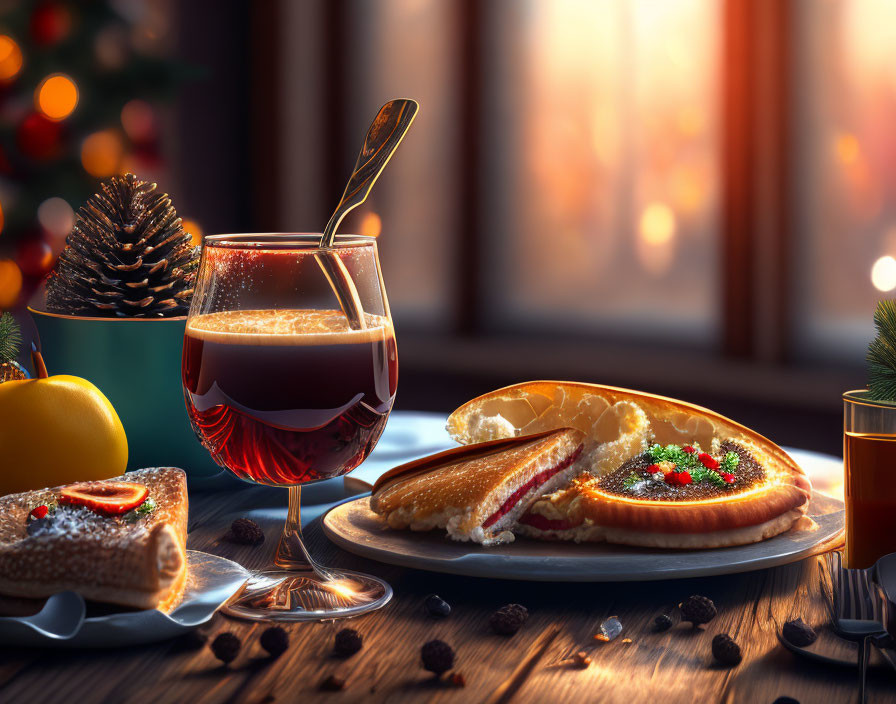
(285, 387)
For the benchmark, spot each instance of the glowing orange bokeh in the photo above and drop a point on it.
(371, 225)
(191, 227)
(10, 58)
(56, 96)
(10, 283)
(102, 152)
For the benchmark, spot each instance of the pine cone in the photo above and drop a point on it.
(127, 256)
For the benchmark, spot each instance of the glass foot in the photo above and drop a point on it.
(291, 596)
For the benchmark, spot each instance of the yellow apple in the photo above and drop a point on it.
(57, 430)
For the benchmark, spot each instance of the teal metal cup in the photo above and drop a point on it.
(136, 363)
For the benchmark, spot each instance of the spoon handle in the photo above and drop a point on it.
(383, 137)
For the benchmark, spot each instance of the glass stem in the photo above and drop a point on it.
(291, 552)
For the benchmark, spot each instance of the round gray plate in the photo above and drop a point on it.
(354, 527)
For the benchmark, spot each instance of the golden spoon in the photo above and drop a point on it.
(383, 137)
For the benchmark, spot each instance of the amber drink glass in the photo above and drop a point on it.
(869, 456)
(284, 387)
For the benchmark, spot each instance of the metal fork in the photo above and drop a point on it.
(857, 612)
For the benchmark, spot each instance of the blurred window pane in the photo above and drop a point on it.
(847, 205)
(408, 48)
(603, 167)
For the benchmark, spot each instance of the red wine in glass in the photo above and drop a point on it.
(284, 397)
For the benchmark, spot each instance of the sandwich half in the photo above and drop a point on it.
(478, 492)
(118, 541)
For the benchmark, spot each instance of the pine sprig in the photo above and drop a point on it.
(882, 354)
(10, 338)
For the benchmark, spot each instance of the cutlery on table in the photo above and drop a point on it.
(857, 612)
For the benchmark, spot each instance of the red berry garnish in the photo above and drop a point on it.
(39, 511)
(684, 477)
(689, 449)
(729, 478)
(708, 460)
(654, 468)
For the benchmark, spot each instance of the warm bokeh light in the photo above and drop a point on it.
(102, 152)
(10, 283)
(191, 227)
(138, 120)
(10, 58)
(56, 217)
(657, 224)
(846, 147)
(56, 96)
(2, 219)
(371, 225)
(883, 273)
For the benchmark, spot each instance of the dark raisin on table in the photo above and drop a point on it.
(245, 531)
(799, 633)
(347, 642)
(725, 650)
(226, 646)
(508, 619)
(437, 656)
(698, 610)
(661, 623)
(274, 640)
(437, 606)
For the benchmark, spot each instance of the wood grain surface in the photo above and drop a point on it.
(675, 666)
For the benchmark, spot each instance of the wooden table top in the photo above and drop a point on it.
(675, 666)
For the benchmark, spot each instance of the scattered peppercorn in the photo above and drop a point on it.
(245, 531)
(799, 633)
(698, 610)
(786, 700)
(725, 650)
(436, 606)
(275, 640)
(347, 642)
(226, 646)
(508, 619)
(437, 656)
(456, 679)
(332, 684)
(661, 623)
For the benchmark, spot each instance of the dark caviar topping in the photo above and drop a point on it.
(663, 622)
(275, 640)
(347, 642)
(725, 650)
(332, 684)
(697, 610)
(799, 633)
(786, 700)
(437, 656)
(245, 531)
(226, 647)
(508, 619)
(436, 606)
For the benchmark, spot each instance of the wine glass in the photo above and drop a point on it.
(284, 386)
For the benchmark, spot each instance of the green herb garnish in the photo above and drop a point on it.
(144, 509)
(674, 454)
(704, 474)
(730, 462)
